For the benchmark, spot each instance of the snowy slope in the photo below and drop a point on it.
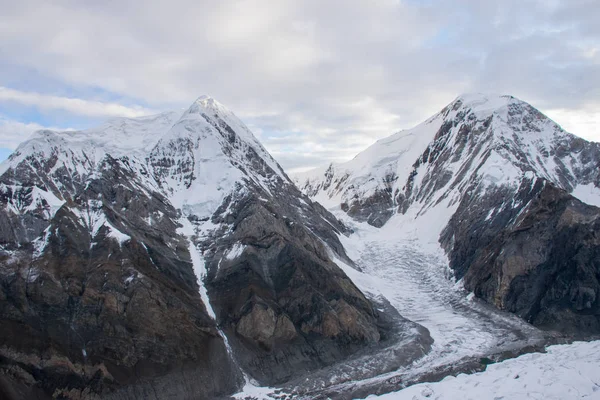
(56, 162)
(563, 372)
(481, 140)
(131, 137)
(207, 154)
(435, 196)
(367, 171)
(52, 167)
(209, 150)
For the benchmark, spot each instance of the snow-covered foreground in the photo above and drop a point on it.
(564, 372)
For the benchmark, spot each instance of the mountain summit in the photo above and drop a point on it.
(477, 139)
(507, 193)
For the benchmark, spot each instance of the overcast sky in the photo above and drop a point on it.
(317, 81)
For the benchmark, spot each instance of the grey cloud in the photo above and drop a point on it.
(14, 132)
(76, 106)
(316, 80)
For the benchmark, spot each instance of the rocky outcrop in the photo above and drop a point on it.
(541, 261)
(106, 304)
(284, 305)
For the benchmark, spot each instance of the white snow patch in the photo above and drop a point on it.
(30, 274)
(53, 202)
(589, 194)
(235, 251)
(564, 372)
(198, 265)
(499, 170)
(255, 392)
(117, 234)
(40, 243)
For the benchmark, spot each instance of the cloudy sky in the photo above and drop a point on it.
(317, 81)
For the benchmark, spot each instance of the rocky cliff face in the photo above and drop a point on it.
(285, 306)
(165, 265)
(104, 300)
(540, 261)
(482, 166)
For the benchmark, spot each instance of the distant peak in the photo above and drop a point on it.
(480, 95)
(206, 99)
(483, 102)
(206, 103)
(477, 97)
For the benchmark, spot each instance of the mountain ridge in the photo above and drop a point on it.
(370, 167)
(481, 168)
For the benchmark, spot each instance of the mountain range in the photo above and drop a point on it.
(171, 256)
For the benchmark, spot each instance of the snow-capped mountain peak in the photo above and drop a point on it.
(196, 156)
(206, 153)
(484, 102)
(192, 204)
(186, 221)
(207, 102)
(209, 106)
(228, 125)
(117, 137)
(477, 139)
(498, 187)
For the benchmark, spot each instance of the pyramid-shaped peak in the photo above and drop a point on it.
(487, 103)
(483, 101)
(208, 107)
(206, 99)
(207, 104)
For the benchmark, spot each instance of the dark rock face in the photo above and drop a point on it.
(376, 210)
(541, 261)
(286, 308)
(90, 313)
